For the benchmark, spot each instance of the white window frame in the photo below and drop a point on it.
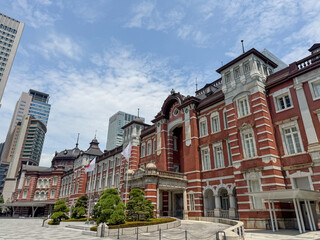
(290, 125)
(154, 145)
(281, 94)
(225, 119)
(218, 155)
(52, 193)
(28, 181)
(149, 148)
(236, 76)
(215, 122)
(192, 202)
(228, 144)
(175, 143)
(55, 181)
(312, 90)
(246, 152)
(245, 69)
(206, 163)
(203, 127)
(246, 110)
(255, 199)
(143, 150)
(25, 194)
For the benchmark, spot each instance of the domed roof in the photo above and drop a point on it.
(151, 165)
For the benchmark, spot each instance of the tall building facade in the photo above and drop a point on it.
(115, 131)
(24, 149)
(33, 103)
(10, 34)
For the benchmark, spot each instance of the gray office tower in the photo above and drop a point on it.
(35, 104)
(115, 131)
(10, 33)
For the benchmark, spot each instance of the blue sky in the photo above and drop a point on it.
(100, 56)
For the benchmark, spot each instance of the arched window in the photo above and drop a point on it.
(203, 127)
(215, 122)
(149, 147)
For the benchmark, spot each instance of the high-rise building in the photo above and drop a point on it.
(33, 103)
(24, 149)
(10, 33)
(115, 131)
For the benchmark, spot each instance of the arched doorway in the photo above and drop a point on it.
(177, 149)
(209, 203)
(225, 203)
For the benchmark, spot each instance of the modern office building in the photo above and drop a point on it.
(24, 149)
(33, 103)
(115, 132)
(10, 34)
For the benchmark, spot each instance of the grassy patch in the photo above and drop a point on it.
(153, 221)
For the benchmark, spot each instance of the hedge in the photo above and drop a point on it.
(153, 221)
(77, 220)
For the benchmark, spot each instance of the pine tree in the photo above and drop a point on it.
(138, 207)
(80, 208)
(60, 210)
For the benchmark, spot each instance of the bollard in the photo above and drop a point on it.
(137, 233)
(102, 230)
(118, 232)
(186, 234)
(218, 235)
(160, 234)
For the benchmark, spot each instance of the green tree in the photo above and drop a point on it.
(109, 208)
(138, 207)
(60, 210)
(80, 208)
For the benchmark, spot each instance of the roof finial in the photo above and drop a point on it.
(138, 112)
(77, 144)
(242, 46)
(95, 134)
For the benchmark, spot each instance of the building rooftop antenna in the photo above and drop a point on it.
(138, 112)
(95, 134)
(242, 46)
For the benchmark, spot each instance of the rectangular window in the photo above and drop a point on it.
(246, 68)
(175, 147)
(302, 183)
(316, 89)
(254, 186)
(154, 146)
(25, 193)
(149, 148)
(228, 78)
(283, 102)
(292, 140)
(215, 122)
(205, 157)
(237, 73)
(225, 118)
(55, 181)
(27, 181)
(143, 150)
(229, 152)
(248, 144)
(203, 128)
(243, 107)
(53, 192)
(218, 156)
(191, 202)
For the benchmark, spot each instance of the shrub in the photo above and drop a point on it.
(139, 208)
(60, 209)
(94, 228)
(109, 208)
(51, 222)
(80, 208)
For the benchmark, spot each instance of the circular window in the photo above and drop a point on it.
(186, 111)
(175, 112)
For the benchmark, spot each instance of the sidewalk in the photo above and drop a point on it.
(256, 234)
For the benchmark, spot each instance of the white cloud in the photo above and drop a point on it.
(84, 99)
(34, 13)
(55, 45)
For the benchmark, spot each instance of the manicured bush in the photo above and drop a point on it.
(60, 210)
(78, 220)
(80, 208)
(94, 228)
(109, 208)
(138, 208)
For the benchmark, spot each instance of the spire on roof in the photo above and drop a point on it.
(77, 144)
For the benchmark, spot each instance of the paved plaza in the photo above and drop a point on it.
(28, 229)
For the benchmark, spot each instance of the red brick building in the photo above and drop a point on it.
(245, 146)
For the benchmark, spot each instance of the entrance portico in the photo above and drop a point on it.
(301, 200)
(166, 190)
